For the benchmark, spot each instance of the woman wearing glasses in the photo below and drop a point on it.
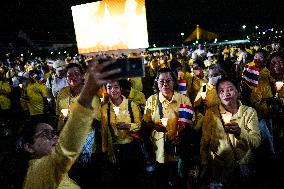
(162, 116)
(51, 156)
(66, 98)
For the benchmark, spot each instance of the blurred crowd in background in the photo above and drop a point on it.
(43, 88)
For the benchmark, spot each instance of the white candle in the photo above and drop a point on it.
(64, 112)
(278, 85)
(203, 95)
(226, 118)
(164, 121)
(116, 110)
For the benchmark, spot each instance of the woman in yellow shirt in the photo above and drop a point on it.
(229, 134)
(66, 98)
(119, 117)
(36, 93)
(161, 115)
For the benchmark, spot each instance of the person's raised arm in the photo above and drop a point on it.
(74, 133)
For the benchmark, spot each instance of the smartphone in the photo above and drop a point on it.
(130, 67)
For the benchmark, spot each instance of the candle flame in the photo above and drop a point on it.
(116, 110)
(164, 121)
(64, 112)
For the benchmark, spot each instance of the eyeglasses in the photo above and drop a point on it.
(196, 68)
(163, 81)
(47, 133)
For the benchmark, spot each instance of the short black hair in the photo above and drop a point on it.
(219, 68)
(264, 52)
(200, 63)
(229, 79)
(72, 65)
(124, 83)
(165, 70)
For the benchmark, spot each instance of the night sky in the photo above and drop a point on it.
(52, 19)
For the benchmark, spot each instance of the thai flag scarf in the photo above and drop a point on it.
(185, 114)
(251, 75)
(182, 86)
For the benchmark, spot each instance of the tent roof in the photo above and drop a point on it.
(200, 34)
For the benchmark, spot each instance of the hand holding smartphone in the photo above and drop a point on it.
(130, 67)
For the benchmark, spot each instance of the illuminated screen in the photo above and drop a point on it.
(110, 25)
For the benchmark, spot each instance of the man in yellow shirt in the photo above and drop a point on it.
(36, 93)
(5, 90)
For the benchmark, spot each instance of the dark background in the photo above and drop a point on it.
(52, 19)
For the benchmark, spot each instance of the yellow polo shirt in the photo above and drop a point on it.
(5, 102)
(170, 111)
(50, 171)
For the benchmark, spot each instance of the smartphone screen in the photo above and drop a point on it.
(130, 67)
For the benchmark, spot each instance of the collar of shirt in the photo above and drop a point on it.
(121, 104)
(236, 115)
(210, 86)
(165, 101)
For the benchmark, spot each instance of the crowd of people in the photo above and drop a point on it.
(202, 117)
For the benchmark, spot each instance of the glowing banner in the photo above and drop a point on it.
(110, 25)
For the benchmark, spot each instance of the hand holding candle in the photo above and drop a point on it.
(203, 93)
(162, 126)
(164, 121)
(233, 128)
(116, 110)
(278, 85)
(65, 112)
(226, 118)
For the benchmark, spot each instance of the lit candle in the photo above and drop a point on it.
(203, 95)
(64, 112)
(164, 121)
(116, 110)
(21, 85)
(278, 85)
(226, 118)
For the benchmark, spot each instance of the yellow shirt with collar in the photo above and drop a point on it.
(36, 92)
(194, 85)
(138, 97)
(123, 116)
(5, 102)
(170, 111)
(215, 144)
(262, 91)
(51, 171)
(65, 101)
(136, 83)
